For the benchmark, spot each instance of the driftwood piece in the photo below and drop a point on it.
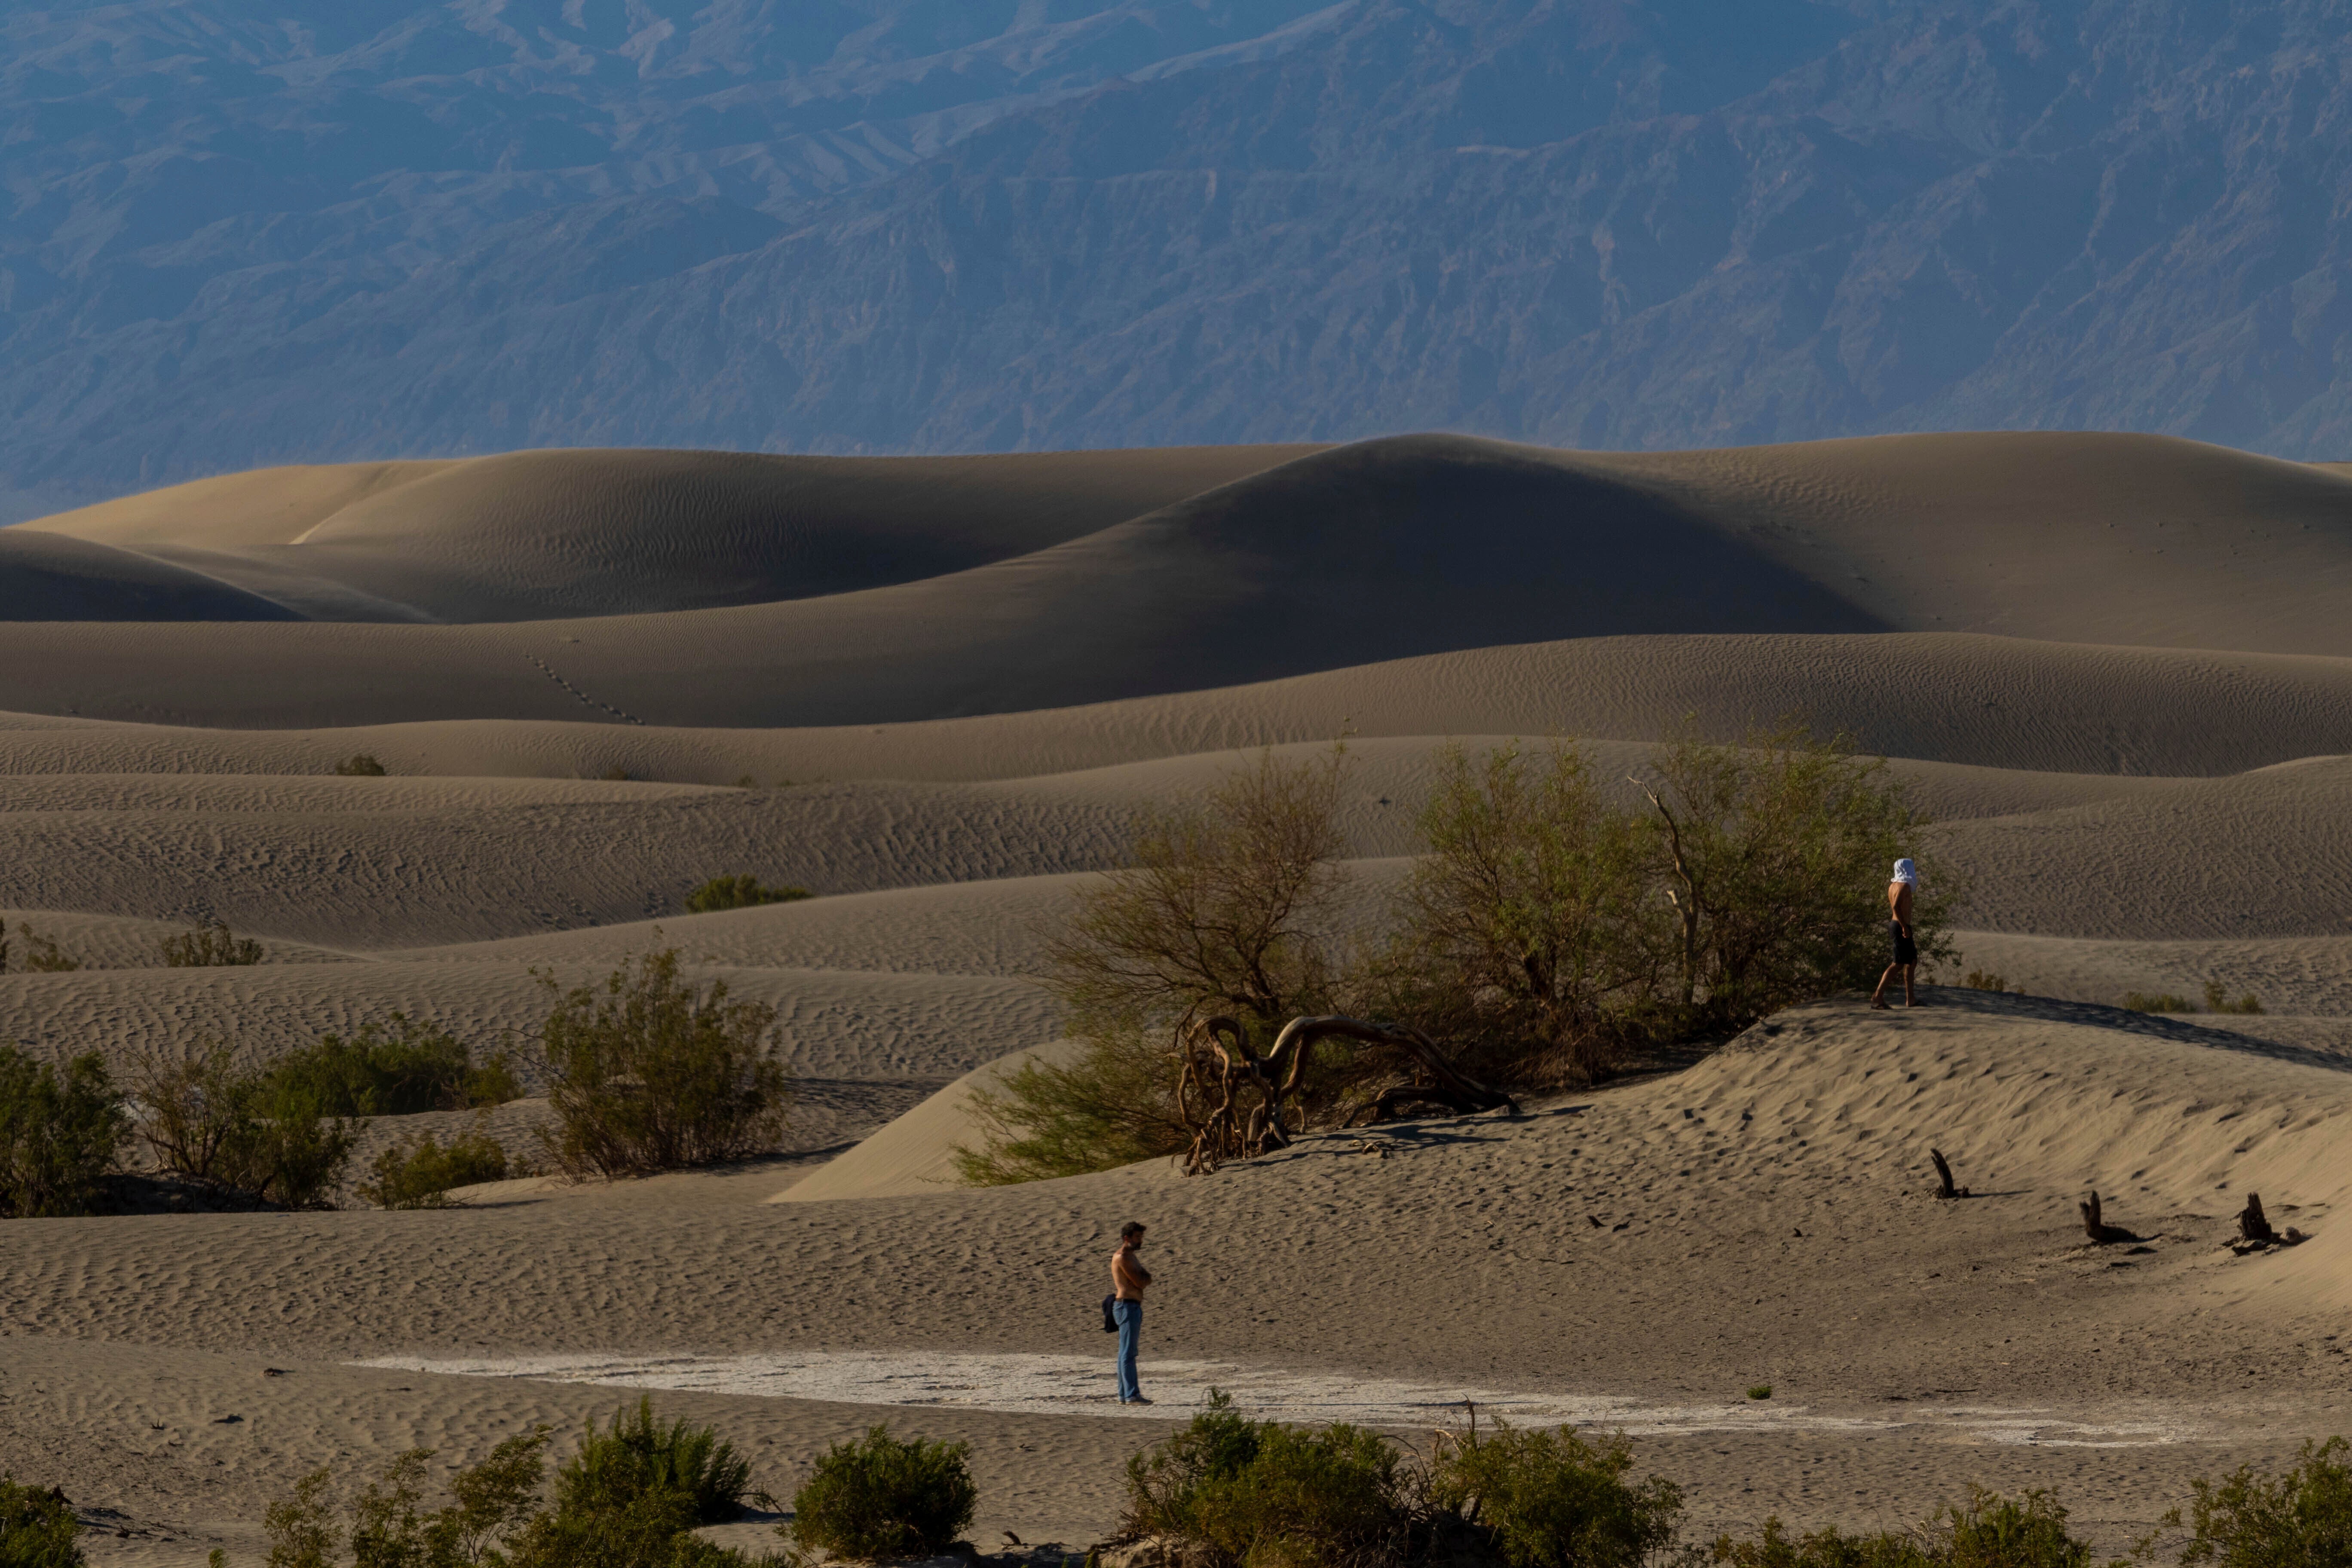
(1233, 1099)
(2097, 1229)
(2253, 1224)
(1944, 1178)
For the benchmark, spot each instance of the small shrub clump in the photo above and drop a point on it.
(397, 1069)
(2215, 1001)
(1980, 980)
(216, 1117)
(421, 1174)
(1242, 1494)
(2300, 1519)
(636, 1455)
(37, 1529)
(359, 765)
(648, 1073)
(209, 946)
(880, 1496)
(739, 893)
(1990, 1531)
(630, 1507)
(44, 956)
(59, 1134)
(1550, 1500)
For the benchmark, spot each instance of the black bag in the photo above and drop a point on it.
(1110, 1324)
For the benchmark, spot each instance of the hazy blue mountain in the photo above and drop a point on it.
(239, 233)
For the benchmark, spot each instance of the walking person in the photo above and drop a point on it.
(1899, 926)
(1128, 1278)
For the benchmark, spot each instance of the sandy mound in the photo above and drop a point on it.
(916, 1152)
(50, 577)
(530, 535)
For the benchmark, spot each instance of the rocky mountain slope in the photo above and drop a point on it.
(238, 236)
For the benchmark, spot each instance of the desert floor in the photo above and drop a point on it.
(935, 693)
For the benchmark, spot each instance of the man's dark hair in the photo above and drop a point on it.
(1130, 1230)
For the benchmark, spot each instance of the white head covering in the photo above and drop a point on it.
(1905, 871)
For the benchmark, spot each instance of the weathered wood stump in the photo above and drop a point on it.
(2253, 1224)
(2096, 1228)
(1944, 1178)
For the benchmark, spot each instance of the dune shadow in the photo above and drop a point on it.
(2121, 1020)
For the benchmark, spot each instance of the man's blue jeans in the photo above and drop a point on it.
(1128, 1316)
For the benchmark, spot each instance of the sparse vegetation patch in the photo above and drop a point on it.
(359, 765)
(420, 1174)
(209, 946)
(739, 893)
(215, 1116)
(396, 1068)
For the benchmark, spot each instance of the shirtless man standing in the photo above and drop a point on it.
(1899, 926)
(1128, 1278)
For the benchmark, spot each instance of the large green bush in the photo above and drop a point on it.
(880, 1496)
(1237, 1493)
(2300, 1519)
(218, 1116)
(1229, 905)
(1529, 938)
(1550, 1500)
(396, 1068)
(58, 1133)
(649, 1073)
(37, 1529)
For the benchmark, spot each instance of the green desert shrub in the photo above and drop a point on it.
(396, 1069)
(491, 1502)
(37, 1529)
(1982, 979)
(1528, 937)
(739, 893)
(60, 1133)
(44, 956)
(1550, 1500)
(1237, 1493)
(1548, 933)
(878, 1497)
(496, 1518)
(637, 1454)
(420, 1174)
(209, 946)
(218, 1116)
(649, 1073)
(1228, 905)
(2218, 1001)
(1990, 1531)
(1773, 856)
(2299, 1519)
(2161, 1002)
(359, 765)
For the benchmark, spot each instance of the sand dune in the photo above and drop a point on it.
(1381, 550)
(533, 535)
(2115, 667)
(51, 577)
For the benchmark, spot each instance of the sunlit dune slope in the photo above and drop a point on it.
(532, 535)
(907, 599)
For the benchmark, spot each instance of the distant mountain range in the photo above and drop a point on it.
(237, 234)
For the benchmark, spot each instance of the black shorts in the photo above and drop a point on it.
(1906, 949)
